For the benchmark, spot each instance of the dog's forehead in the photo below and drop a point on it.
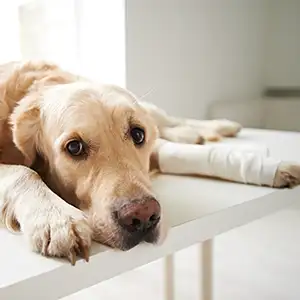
(87, 96)
(82, 92)
(86, 104)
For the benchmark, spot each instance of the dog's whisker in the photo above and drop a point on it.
(110, 237)
(146, 94)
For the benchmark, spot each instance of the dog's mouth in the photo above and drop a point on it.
(123, 240)
(130, 241)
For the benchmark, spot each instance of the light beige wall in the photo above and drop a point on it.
(194, 52)
(282, 47)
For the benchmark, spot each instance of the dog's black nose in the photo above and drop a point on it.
(139, 216)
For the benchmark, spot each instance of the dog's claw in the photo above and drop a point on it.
(86, 253)
(72, 257)
(82, 249)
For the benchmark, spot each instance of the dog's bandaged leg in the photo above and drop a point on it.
(224, 161)
(251, 148)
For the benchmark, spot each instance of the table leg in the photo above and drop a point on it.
(169, 277)
(206, 270)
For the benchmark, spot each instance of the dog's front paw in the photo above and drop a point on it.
(287, 175)
(59, 230)
(226, 128)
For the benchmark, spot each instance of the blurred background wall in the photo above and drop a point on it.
(197, 58)
(195, 52)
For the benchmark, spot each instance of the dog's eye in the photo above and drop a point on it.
(138, 135)
(75, 148)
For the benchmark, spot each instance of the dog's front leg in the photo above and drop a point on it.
(224, 162)
(51, 226)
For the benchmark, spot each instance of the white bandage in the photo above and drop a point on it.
(223, 161)
(247, 147)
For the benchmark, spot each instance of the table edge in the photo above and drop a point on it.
(84, 275)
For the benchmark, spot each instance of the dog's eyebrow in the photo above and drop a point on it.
(134, 121)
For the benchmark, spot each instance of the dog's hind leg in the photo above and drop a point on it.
(181, 130)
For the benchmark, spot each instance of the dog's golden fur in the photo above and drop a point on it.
(42, 107)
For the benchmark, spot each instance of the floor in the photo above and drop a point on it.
(259, 261)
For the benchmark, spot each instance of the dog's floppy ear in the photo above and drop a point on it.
(25, 121)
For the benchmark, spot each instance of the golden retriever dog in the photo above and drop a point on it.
(76, 159)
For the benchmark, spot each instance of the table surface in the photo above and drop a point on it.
(197, 209)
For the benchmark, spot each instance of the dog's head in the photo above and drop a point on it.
(92, 144)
